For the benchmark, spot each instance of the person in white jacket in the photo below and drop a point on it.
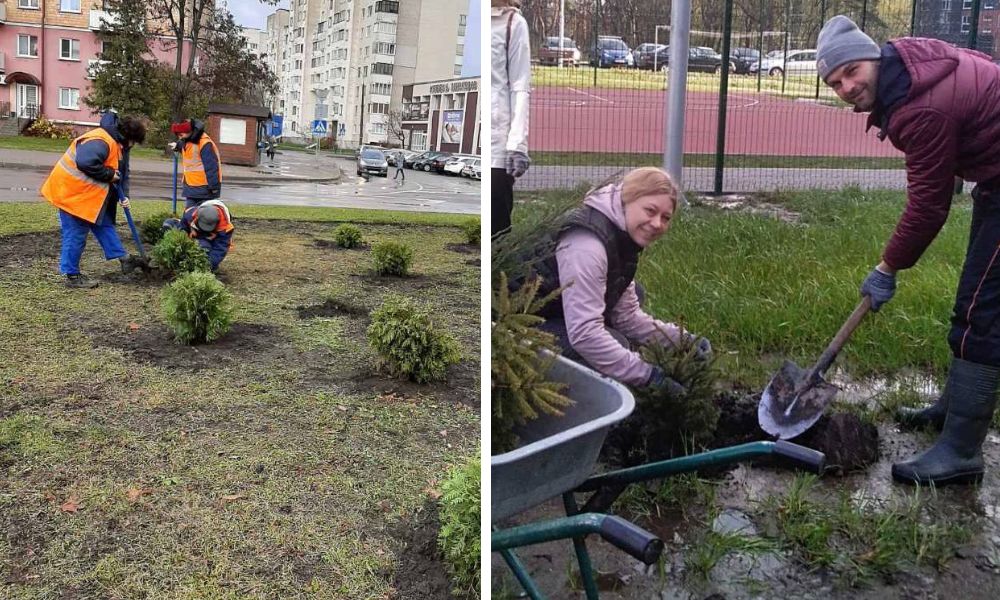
(511, 85)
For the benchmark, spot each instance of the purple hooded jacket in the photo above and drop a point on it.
(948, 125)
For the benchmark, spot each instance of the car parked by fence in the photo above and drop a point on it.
(548, 52)
(797, 62)
(609, 51)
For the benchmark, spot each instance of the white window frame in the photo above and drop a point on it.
(70, 57)
(28, 36)
(28, 4)
(63, 3)
(966, 4)
(966, 23)
(67, 105)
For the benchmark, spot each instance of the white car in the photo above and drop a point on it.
(455, 165)
(799, 62)
(472, 169)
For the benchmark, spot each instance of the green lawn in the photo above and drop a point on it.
(50, 145)
(273, 463)
(763, 289)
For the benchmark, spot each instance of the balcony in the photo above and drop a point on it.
(387, 6)
(99, 17)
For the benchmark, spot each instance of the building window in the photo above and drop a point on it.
(27, 4)
(462, 20)
(382, 68)
(69, 6)
(460, 51)
(387, 6)
(458, 69)
(27, 45)
(385, 27)
(966, 23)
(946, 5)
(69, 98)
(69, 49)
(384, 48)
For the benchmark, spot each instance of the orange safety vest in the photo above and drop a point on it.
(194, 170)
(225, 221)
(71, 190)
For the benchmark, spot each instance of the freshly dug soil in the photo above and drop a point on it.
(332, 308)
(332, 245)
(421, 573)
(463, 248)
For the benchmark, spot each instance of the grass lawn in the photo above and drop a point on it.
(274, 463)
(799, 86)
(50, 145)
(763, 289)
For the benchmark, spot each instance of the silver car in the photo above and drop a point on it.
(371, 160)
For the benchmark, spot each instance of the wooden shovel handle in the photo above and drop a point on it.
(830, 354)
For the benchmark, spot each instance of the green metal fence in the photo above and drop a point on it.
(753, 122)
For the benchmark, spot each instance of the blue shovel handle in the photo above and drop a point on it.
(131, 223)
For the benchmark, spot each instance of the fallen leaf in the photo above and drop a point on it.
(433, 493)
(134, 326)
(443, 432)
(341, 408)
(385, 506)
(230, 498)
(135, 493)
(71, 505)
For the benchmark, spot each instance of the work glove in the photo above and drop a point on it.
(659, 379)
(116, 177)
(879, 286)
(124, 202)
(517, 163)
(702, 347)
(172, 146)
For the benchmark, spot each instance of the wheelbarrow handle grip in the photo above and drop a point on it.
(631, 538)
(804, 458)
(830, 354)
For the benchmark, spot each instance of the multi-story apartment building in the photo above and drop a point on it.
(952, 21)
(255, 39)
(347, 61)
(48, 50)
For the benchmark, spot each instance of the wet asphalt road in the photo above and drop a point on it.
(422, 192)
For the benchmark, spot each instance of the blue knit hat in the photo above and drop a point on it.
(840, 41)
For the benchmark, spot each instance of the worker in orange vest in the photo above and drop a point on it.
(81, 186)
(209, 224)
(202, 165)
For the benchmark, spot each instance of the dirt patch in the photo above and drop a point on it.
(463, 248)
(21, 250)
(460, 386)
(155, 276)
(332, 308)
(156, 345)
(421, 573)
(474, 262)
(332, 245)
(849, 443)
(754, 205)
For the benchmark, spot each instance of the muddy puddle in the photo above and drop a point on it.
(740, 501)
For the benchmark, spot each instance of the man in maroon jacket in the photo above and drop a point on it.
(940, 106)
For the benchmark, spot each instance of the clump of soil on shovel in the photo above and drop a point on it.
(849, 443)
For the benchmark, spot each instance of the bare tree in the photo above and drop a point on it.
(394, 125)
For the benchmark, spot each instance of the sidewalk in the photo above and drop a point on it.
(288, 166)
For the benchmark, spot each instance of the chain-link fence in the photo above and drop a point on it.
(760, 120)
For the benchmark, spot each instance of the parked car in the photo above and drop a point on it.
(473, 169)
(644, 55)
(700, 58)
(406, 154)
(457, 164)
(413, 161)
(609, 51)
(798, 62)
(372, 160)
(743, 58)
(437, 163)
(548, 52)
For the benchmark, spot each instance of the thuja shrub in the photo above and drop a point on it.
(197, 307)
(459, 510)
(180, 254)
(392, 258)
(472, 229)
(407, 343)
(347, 236)
(151, 228)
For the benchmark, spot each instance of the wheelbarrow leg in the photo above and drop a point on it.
(582, 556)
(522, 575)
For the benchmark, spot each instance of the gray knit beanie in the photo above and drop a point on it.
(840, 41)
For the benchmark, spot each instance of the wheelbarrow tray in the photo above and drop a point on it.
(558, 453)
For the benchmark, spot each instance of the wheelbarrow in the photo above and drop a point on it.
(557, 458)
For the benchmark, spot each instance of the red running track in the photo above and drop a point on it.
(625, 120)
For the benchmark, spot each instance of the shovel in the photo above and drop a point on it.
(135, 232)
(795, 398)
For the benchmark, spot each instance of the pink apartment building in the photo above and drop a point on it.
(48, 49)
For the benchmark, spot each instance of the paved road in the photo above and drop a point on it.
(425, 192)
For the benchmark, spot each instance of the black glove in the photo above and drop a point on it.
(658, 378)
(880, 286)
(702, 347)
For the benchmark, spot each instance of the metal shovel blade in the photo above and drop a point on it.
(780, 414)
